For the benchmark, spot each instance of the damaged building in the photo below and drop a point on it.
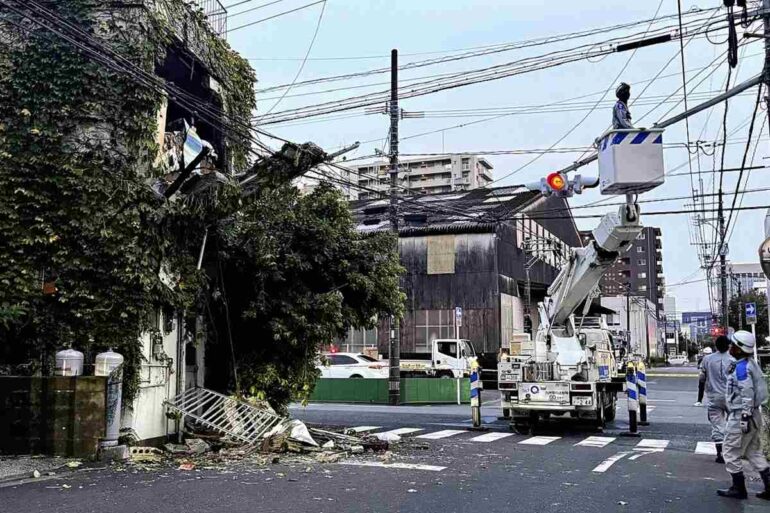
(490, 252)
(201, 87)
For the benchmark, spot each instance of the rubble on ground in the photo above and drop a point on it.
(291, 442)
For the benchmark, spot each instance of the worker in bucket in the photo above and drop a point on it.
(713, 380)
(746, 392)
(621, 117)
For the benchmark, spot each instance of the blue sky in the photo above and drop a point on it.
(358, 28)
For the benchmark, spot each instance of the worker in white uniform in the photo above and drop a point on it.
(713, 381)
(746, 392)
(621, 117)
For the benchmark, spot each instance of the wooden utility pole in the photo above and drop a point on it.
(394, 353)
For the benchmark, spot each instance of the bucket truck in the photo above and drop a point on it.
(569, 369)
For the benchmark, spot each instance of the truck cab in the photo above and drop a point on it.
(449, 358)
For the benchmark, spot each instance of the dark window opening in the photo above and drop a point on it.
(190, 76)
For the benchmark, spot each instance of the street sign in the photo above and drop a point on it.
(751, 313)
(458, 316)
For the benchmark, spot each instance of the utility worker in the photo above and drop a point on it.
(713, 378)
(746, 392)
(621, 117)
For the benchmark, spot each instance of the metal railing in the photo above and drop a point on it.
(229, 416)
(216, 14)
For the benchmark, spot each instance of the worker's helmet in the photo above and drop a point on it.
(622, 89)
(707, 350)
(744, 340)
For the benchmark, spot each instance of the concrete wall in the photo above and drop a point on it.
(55, 416)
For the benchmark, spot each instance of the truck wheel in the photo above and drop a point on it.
(445, 375)
(357, 376)
(609, 411)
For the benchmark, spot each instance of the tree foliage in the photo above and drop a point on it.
(296, 275)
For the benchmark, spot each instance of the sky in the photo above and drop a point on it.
(357, 35)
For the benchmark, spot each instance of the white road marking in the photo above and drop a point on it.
(606, 464)
(709, 448)
(651, 443)
(404, 466)
(491, 437)
(596, 441)
(402, 431)
(661, 400)
(539, 440)
(446, 433)
(363, 429)
(638, 453)
(650, 408)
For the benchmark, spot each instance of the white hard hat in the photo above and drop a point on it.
(744, 340)
(706, 350)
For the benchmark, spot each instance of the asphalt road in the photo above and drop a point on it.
(438, 467)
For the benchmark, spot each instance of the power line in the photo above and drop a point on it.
(490, 73)
(504, 47)
(231, 15)
(307, 54)
(274, 16)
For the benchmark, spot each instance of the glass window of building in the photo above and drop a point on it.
(431, 325)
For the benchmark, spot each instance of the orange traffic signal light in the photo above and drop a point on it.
(556, 181)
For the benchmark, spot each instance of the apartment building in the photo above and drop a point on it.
(430, 174)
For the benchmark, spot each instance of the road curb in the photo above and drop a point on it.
(665, 375)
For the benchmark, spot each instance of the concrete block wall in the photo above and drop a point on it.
(56, 416)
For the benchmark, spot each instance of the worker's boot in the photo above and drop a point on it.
(738, 488)
(765, 475)
(719, 459)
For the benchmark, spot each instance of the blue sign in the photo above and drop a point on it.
(751, 313)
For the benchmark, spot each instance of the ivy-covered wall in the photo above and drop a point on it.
(82, 236)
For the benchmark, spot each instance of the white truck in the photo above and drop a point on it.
(569, 369)
(450, 358)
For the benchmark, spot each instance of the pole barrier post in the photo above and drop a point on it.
(633, 404)
(476, 387)
(641, 385)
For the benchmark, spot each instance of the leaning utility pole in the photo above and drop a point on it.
(394, 353)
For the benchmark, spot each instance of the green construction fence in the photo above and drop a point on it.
(375, 391)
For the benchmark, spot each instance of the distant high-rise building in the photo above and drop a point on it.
(424, 175)
(639, 271)
(744, 277)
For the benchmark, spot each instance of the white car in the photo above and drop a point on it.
(352, 365)
(679, 359)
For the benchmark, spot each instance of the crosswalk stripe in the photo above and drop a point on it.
(446, 433)
(596, 441)
(363, 429)
(491, 437)
(651, 443)
(539, 440)
(709, 448)
(402, 431)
